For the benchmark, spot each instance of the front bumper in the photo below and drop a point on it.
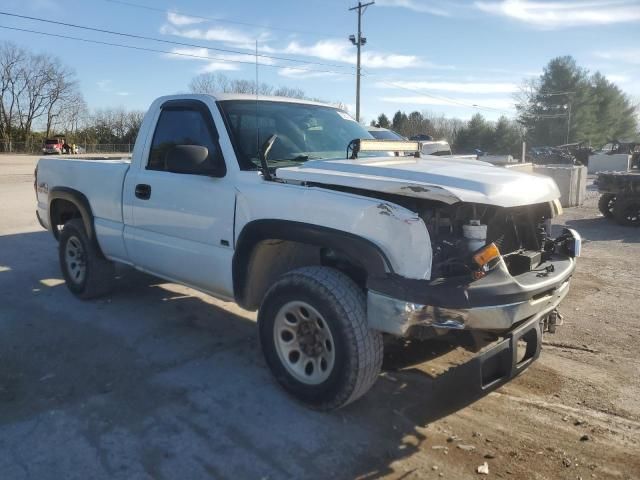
(495, 303)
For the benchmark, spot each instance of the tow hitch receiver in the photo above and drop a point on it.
(553, 320)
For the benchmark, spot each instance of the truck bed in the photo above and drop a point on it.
(100, 179)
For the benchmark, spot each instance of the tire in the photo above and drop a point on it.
(86, 272)
(606, 204)
(627, 211)
(324, 313)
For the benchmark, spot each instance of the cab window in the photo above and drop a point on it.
(185, 126)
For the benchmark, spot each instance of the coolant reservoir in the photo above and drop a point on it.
(475, 235)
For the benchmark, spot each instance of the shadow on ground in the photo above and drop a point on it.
(157, 382)
(603, 229)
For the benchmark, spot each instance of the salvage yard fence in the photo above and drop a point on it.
(35, 148)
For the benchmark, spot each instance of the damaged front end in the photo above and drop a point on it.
(492, 268)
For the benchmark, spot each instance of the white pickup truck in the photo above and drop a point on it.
(290, 208)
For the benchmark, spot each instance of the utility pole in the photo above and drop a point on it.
(569, 122)
(359, 42)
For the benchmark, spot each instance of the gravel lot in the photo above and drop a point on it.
(160, 382)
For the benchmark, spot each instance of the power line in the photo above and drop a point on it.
(155, 50)
(171, 42)
(559, 115)
(447, 99)
(220, 20)
(551, 94)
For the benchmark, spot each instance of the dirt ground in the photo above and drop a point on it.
(160, 382)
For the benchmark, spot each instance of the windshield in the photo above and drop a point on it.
(304, 132)
(386, 135)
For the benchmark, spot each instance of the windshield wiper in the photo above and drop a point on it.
(298, 158)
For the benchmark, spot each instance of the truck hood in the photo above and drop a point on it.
(448, 180)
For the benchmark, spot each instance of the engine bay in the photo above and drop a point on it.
(457, 231)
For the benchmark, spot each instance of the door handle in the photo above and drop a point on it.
(143, 191)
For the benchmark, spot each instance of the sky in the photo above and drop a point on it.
(454, 57)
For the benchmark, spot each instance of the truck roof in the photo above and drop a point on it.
(265, 98)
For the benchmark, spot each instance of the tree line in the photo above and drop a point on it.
(210, 83)
(35, 90)
(568, 103)
(565, 104)
(502, 137)
(40, 98)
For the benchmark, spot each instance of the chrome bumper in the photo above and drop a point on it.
(396, 317)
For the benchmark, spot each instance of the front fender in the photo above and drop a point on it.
(398, 233)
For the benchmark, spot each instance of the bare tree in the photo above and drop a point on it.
(443, 128)
(32, 87)
(289, 92)
(73, 114)
(62, 92)
(11, 58)
(210, 83)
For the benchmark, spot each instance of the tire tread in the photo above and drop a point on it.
(365, 343)
(100, 271)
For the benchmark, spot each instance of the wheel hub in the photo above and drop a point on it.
(310, 339)
(304, 342)
(75, 259)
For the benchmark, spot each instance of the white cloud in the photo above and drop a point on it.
(342, 51)
(631, 56)
(217, 34)
(328, 49)
(201, 53)
(181, 20)
(438, 8)
(497, 103)
(104, 85)
(618, 78)
(458, 87)
(216, 61)
(218, 67)
(297, 73)
(562, 14)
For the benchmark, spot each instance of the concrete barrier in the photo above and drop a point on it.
(498, 159)
(618, 162)
(571, 181)
(521, 167)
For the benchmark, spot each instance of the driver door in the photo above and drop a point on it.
(182, 223)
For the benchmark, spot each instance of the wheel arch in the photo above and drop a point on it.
(362, 252)
(64, 201)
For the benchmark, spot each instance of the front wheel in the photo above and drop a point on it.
(315, 338)
(86, 272)
(606, 204)
(627, 211)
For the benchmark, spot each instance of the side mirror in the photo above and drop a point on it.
(191, 159)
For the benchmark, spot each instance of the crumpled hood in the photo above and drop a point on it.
(448, 180)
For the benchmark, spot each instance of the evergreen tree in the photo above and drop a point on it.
(568, 104)
(383, 121)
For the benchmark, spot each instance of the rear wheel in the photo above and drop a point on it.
(606, 204)
(86, 272)
(315, 337)
(627, 211)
